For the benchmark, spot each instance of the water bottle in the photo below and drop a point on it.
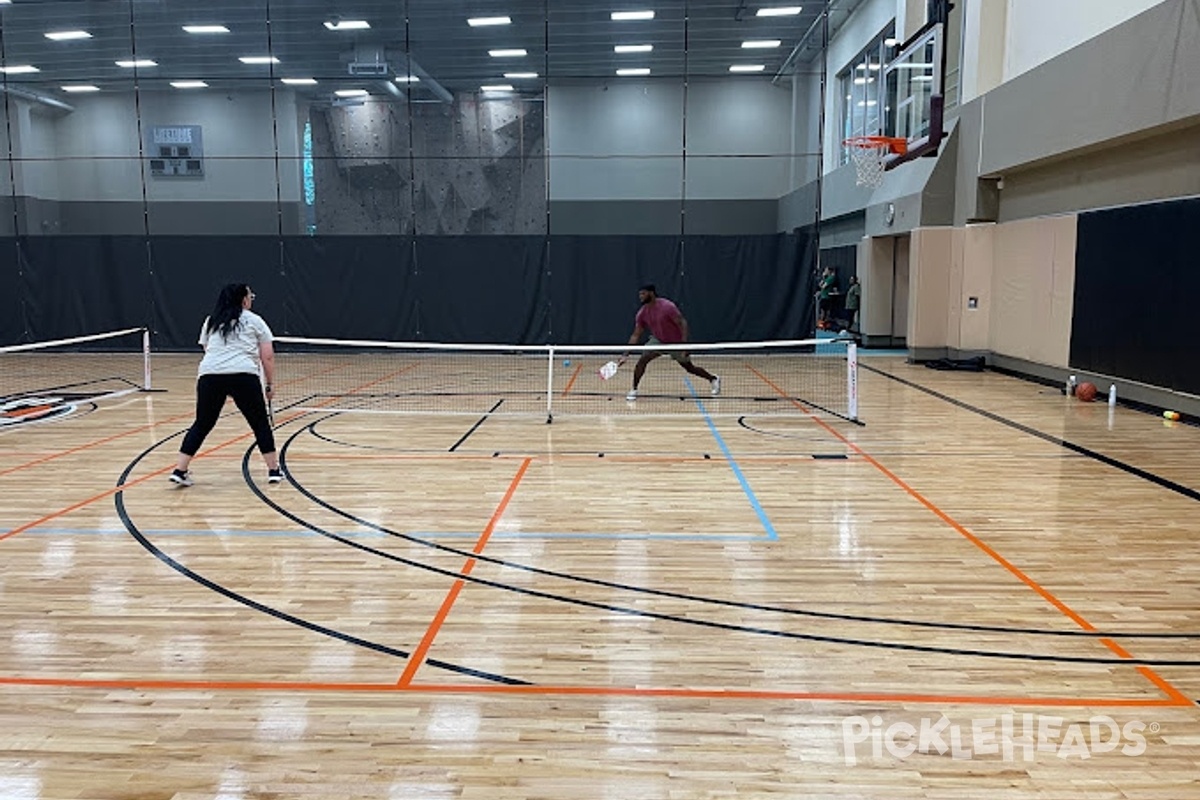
(1112, 394)
(1071, 384)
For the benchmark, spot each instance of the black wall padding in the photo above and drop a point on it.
(594, 283)
(187, 273)
(12, 313)
(76, 285)
(349, 287)
(1137, 277)
(485, 289)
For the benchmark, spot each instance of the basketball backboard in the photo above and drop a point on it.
(913, 90)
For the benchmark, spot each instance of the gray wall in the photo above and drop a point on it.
(1110, 122)
(625, 156)
(617, 156)
(80, 172)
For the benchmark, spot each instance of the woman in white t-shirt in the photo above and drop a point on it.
(237, 350)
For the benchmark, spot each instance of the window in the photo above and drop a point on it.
(860, 84)
(310, 183)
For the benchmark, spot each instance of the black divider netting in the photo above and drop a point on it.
(76, 285)
(482, 289)
(594, 282)
(354, 287)
(12, 315)
(189, 271)
(459, 289)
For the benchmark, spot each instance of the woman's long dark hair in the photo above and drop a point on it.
(227, 311)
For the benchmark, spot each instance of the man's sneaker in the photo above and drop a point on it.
(180, 478)
(274, 476)
(716, 385)
(632, 395)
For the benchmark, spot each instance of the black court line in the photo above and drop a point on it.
(950, 626)
(641, 613)
(1145, 475)
(82, 396)
(475, 427)
(150, 547)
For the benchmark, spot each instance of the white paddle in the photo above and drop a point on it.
(610, 369)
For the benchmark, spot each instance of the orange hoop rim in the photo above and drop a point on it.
(894, 144)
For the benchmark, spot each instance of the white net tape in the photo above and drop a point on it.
(868, 161)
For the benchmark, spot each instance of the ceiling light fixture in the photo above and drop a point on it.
(516, 52)
(20, 69)
(406, 79)
(761, 44)
(747, 67)
(79, 88)
(137, 63)
(629, 16)
(351, 92)
(205, 29)
(504, 87)
(520, 76)
(259, 60)
(626, 73)
(347, 25)
(67, 36)
(300, 81)
(779, 11)
(189, 84)
(479, 22)
(633, 48)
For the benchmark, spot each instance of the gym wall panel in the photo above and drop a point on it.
(929, 287)
(975, 252)
(1033, 289)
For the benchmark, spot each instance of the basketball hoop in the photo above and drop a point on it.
(870, 153)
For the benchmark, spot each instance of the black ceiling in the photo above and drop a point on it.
(565, 39)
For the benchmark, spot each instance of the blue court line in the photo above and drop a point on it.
(368, 534)
(737, 471)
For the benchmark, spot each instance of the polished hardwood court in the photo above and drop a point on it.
(611, 606)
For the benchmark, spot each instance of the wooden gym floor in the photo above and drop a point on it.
(606, 607)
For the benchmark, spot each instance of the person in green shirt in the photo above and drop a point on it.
(853, 297)
(826, 288)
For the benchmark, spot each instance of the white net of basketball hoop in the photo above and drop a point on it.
(869, 154)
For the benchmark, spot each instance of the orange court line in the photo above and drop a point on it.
(418, 655)
(571, 382)
(594, 691)
(115, 436)
(1016, 571)
(94, 443)
(110, 492)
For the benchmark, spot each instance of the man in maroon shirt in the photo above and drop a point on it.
(667, 326)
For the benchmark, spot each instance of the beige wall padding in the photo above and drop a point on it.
(929, 287)
(1033, 286)
(971, 276)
